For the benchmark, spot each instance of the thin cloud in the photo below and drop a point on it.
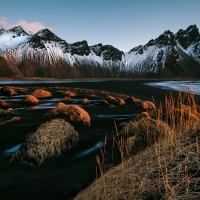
(31, 26)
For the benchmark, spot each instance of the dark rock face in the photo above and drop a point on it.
(2, 31)
(135, 49)
(97, 49)
(39, 39)
(47, 35)
(18, 30)
(111, 53)
(188, 36)
(80, 48)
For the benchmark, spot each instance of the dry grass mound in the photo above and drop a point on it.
(39, 93)
(66, 99)
(71, 114)
(148, 105)
(144, 132)
(70, 93)
(85, 101)
(50, 140)
(120, 102)
(93, 95)
(8, 90)
(142, 116)
(133, 100)
(111, 99)
(4, 104)
(30, 99)
(60, 104)
(104, 102)
(5, 113)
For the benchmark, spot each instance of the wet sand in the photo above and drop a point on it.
(62, 178)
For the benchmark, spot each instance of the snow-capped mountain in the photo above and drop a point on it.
(43, 54)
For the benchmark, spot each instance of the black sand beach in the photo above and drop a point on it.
(62, 177)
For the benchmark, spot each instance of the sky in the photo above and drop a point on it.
(123, 24)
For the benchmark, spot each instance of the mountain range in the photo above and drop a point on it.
(43, 54)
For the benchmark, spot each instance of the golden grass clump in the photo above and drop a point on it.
(8, 90)
(39, 93)
(148, 105)
(50, 140)
(66, 99)
(142, 115)
(145, 132)
(85, 101)
(60, 104)
(70, 93)
(120, 102)
(104, 102)
(93, 95)
(167, 168)
(30, 99)
(111, 99)
(5, 113)
(71, 114)
(4, 104)
(133, 100)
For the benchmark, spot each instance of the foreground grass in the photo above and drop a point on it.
(50, 140)
(167, 167)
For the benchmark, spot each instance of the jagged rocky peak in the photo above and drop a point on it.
(111, 53)
(80, 48)
(186, 37)
(2, 31)
(108, 52)
(47, 35)
(165, 39)
(19, 31)
(44, 36)
(135, 49)
(97, 49)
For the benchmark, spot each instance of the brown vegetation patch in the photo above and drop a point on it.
(10, 109)
(5, 113)
(71, 114)
(146, 132)
(67, 99)
(111, 99)
(70, 94)
(85, 101)
(4, 104)
(16, 89)
(8, 91)
(148, 105)
(167, 169)
(133, 100)
(120, 102)
(142, 115)
(50, 140)
(30, 99)
(104, 102)
(60, 104)
(93, 95)
(39, 93)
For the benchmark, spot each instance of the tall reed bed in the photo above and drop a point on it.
(168, 167)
